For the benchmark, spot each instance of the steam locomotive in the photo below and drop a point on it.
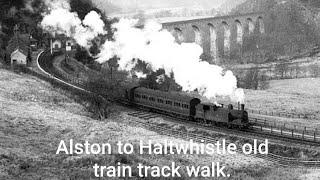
(188, 107)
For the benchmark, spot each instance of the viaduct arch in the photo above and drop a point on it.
(220, 37)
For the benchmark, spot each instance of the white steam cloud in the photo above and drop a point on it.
(158, 48)
(59, 20)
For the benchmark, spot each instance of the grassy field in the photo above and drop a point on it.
(290, 96)
(35, 116)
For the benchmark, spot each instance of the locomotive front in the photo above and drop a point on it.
(238, 117)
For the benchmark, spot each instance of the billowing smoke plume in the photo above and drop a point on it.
(59, 20)
(158, 48)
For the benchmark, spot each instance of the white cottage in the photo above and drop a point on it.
(18, 57)
(56, 44)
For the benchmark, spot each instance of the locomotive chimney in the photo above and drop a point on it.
(242, 108)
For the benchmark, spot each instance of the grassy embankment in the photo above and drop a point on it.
(298, 96)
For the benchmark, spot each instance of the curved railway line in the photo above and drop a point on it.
(44, 63)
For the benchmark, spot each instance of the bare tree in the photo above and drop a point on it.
(254, 79)
(297, 70)
(281, 69)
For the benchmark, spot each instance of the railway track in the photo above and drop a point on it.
(143, 115)
(46, 67)
(273, 158)
(246, 134)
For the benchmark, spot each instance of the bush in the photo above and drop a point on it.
(254, 79)
(314, 70)
(281, 70)
(263, 82)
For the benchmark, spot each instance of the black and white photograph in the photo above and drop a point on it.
(160, 89)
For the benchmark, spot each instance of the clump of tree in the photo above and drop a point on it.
(254, 79)
(83, 56)
(281, 70)
(158, 79)
(206, 57)
(108, 80)
(109, 84)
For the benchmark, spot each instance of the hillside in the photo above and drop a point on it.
(35, 116)
(291, 27)
(297, 96)
(228, 5)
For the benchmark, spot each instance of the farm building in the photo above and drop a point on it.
(56, 45)
(18, 48)
(18, 57)
(61, 43)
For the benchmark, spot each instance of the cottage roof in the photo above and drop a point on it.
(18, 50)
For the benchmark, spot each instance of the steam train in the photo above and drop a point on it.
(187, 107)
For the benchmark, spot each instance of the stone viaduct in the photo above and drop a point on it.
(220, 37)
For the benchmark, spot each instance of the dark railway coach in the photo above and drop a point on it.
(172, 103)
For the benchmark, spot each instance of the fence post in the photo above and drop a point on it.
(281, 130)
(302, 134)
(292, 132)
(271, 129)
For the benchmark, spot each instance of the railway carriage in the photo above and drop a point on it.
(172, 103)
